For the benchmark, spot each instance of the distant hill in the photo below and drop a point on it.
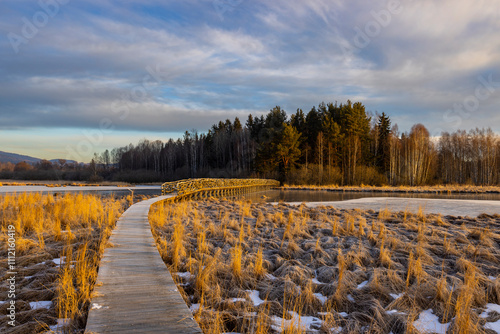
(15, 158)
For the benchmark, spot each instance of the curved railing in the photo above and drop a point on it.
(216, 187)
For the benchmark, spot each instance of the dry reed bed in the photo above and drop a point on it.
(438, 189)
(59, 241)
(52, 184)
(258, 268)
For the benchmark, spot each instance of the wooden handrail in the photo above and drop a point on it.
(189, 186)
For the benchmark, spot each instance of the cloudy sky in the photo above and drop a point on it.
(77, 77)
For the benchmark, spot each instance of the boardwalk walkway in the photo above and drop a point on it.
(135, 292)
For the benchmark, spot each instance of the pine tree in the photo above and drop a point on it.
(383, 156)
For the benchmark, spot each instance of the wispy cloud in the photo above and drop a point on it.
(176, 65)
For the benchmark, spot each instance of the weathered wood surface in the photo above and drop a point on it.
(135, 292)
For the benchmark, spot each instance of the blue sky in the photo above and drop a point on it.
(77, 77)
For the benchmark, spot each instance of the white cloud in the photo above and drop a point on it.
(263, 54)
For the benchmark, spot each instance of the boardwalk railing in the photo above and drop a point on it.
(216, 187)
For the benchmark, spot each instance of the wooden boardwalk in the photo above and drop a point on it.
(135, 292)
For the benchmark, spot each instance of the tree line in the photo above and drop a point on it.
(330, 144)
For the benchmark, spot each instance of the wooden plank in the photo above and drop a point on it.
(135, 292)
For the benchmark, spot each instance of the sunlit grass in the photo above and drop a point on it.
(437, 189)
(73, 229)
(355, 271)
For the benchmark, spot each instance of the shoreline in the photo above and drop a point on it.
(400, 189)
(444, 207)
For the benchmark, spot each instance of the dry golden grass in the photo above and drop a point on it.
(52, 184)
(73, 228)
(438, 189)
(366, 264)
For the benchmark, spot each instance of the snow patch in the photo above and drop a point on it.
(362, 285)
(494, 326)
(96, 306)
(343, 314)
(350, 298)
(234, 300)
(306, 323)
(57, 261)
(315, 281)
(254, 297)
(41, 304)
(321, 298)
(396, 295)
(60, 324)
(429, 323)
(194, 308)
(490, 308)
(271, 277)
(185, 276)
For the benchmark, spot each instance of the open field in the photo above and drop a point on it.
(438, 189)
(59, 241)
(261, 268)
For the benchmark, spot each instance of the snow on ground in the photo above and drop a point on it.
(254, 297)
(362, 285)
(57, 261)
(185, 276)
(396, 295)
(427, 322)
(315, 279)
(234, 300)
(271, 277)
(494, 326)
(60, 261)
(321, 298)
(307, 323)
(96, 306)
(41, 304)
(350, 298)
(194, 308)
(490, 308)
(60, 324)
